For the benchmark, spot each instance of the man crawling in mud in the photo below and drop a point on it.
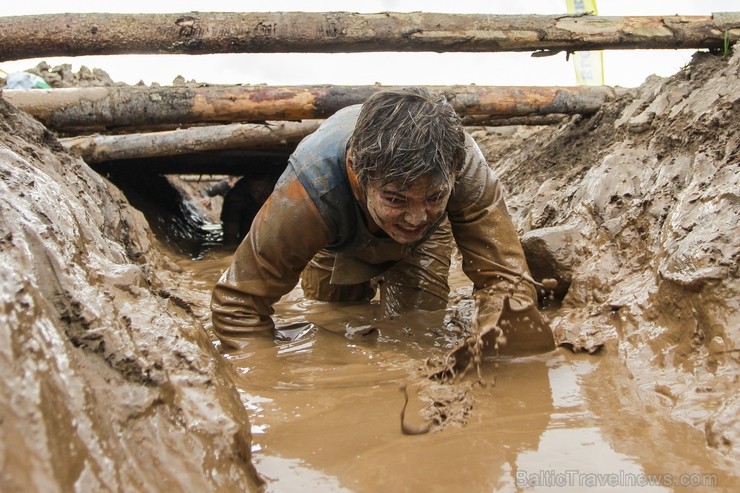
(373, 200)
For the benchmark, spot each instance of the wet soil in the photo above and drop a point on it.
(107, 380)
(325, 411)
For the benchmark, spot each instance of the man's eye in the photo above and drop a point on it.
(394, 199)
(436, 199)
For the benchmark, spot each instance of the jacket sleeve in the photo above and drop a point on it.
(492, 253)
(286, 233)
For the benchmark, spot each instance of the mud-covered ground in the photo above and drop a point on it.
(111, 382)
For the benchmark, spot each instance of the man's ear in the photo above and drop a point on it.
(351, 158)
(357, 188)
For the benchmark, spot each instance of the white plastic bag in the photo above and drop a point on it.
(24, 80)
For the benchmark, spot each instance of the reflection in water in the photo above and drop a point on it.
(292, 475)
(324, 406)
(566, 389)
(571, 452)
(587, 461)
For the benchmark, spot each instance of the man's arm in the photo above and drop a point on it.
(286, 233)
(504, 291)
(492, 253)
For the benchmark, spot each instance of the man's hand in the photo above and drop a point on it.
(205, 201)
(512, 324)
(505, 324)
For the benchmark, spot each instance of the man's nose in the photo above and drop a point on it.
(416, 216)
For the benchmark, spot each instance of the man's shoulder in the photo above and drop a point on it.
(347, 113)
(336, 129)
(319, 164)
(319, 159)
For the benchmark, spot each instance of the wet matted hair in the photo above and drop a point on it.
(404, 134)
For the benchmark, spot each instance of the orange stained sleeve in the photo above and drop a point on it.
(492, 253)
(286, 233)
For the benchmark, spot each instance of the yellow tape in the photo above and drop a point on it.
(589, 65)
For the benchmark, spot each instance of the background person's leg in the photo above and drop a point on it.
(231, 216)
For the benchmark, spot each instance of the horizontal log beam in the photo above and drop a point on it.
(269, 136)
(80, 109)
(229, 162)
(493, 121)
(47, 35)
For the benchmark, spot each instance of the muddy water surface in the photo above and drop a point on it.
(325, 407)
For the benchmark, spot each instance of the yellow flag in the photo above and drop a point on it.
(589, 65)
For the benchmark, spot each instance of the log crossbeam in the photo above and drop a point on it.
(47, 35)
(104, 108)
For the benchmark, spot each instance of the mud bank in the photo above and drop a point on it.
(636, 212)
(107, 381)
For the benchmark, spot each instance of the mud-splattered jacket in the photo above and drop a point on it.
(313, 208)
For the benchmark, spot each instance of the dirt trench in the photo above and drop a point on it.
(108, 381)
(111, 382)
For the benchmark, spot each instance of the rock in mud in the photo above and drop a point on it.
(552, 253)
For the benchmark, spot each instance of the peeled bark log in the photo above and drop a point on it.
(227, 162)
(108, 107)
(275, 135)
(492, 121)
(302, 32)
(270, 136)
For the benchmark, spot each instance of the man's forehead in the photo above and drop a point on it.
(423, 183)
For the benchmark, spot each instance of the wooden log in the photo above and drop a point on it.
(47, 35)
(229, 162)
(106, 107)
(270, 135)
(492, 121)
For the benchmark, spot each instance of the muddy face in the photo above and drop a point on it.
(406, 212)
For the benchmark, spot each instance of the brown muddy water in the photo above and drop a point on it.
(325, 408)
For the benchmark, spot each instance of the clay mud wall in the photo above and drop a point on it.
(107, 380)
(635, 211)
